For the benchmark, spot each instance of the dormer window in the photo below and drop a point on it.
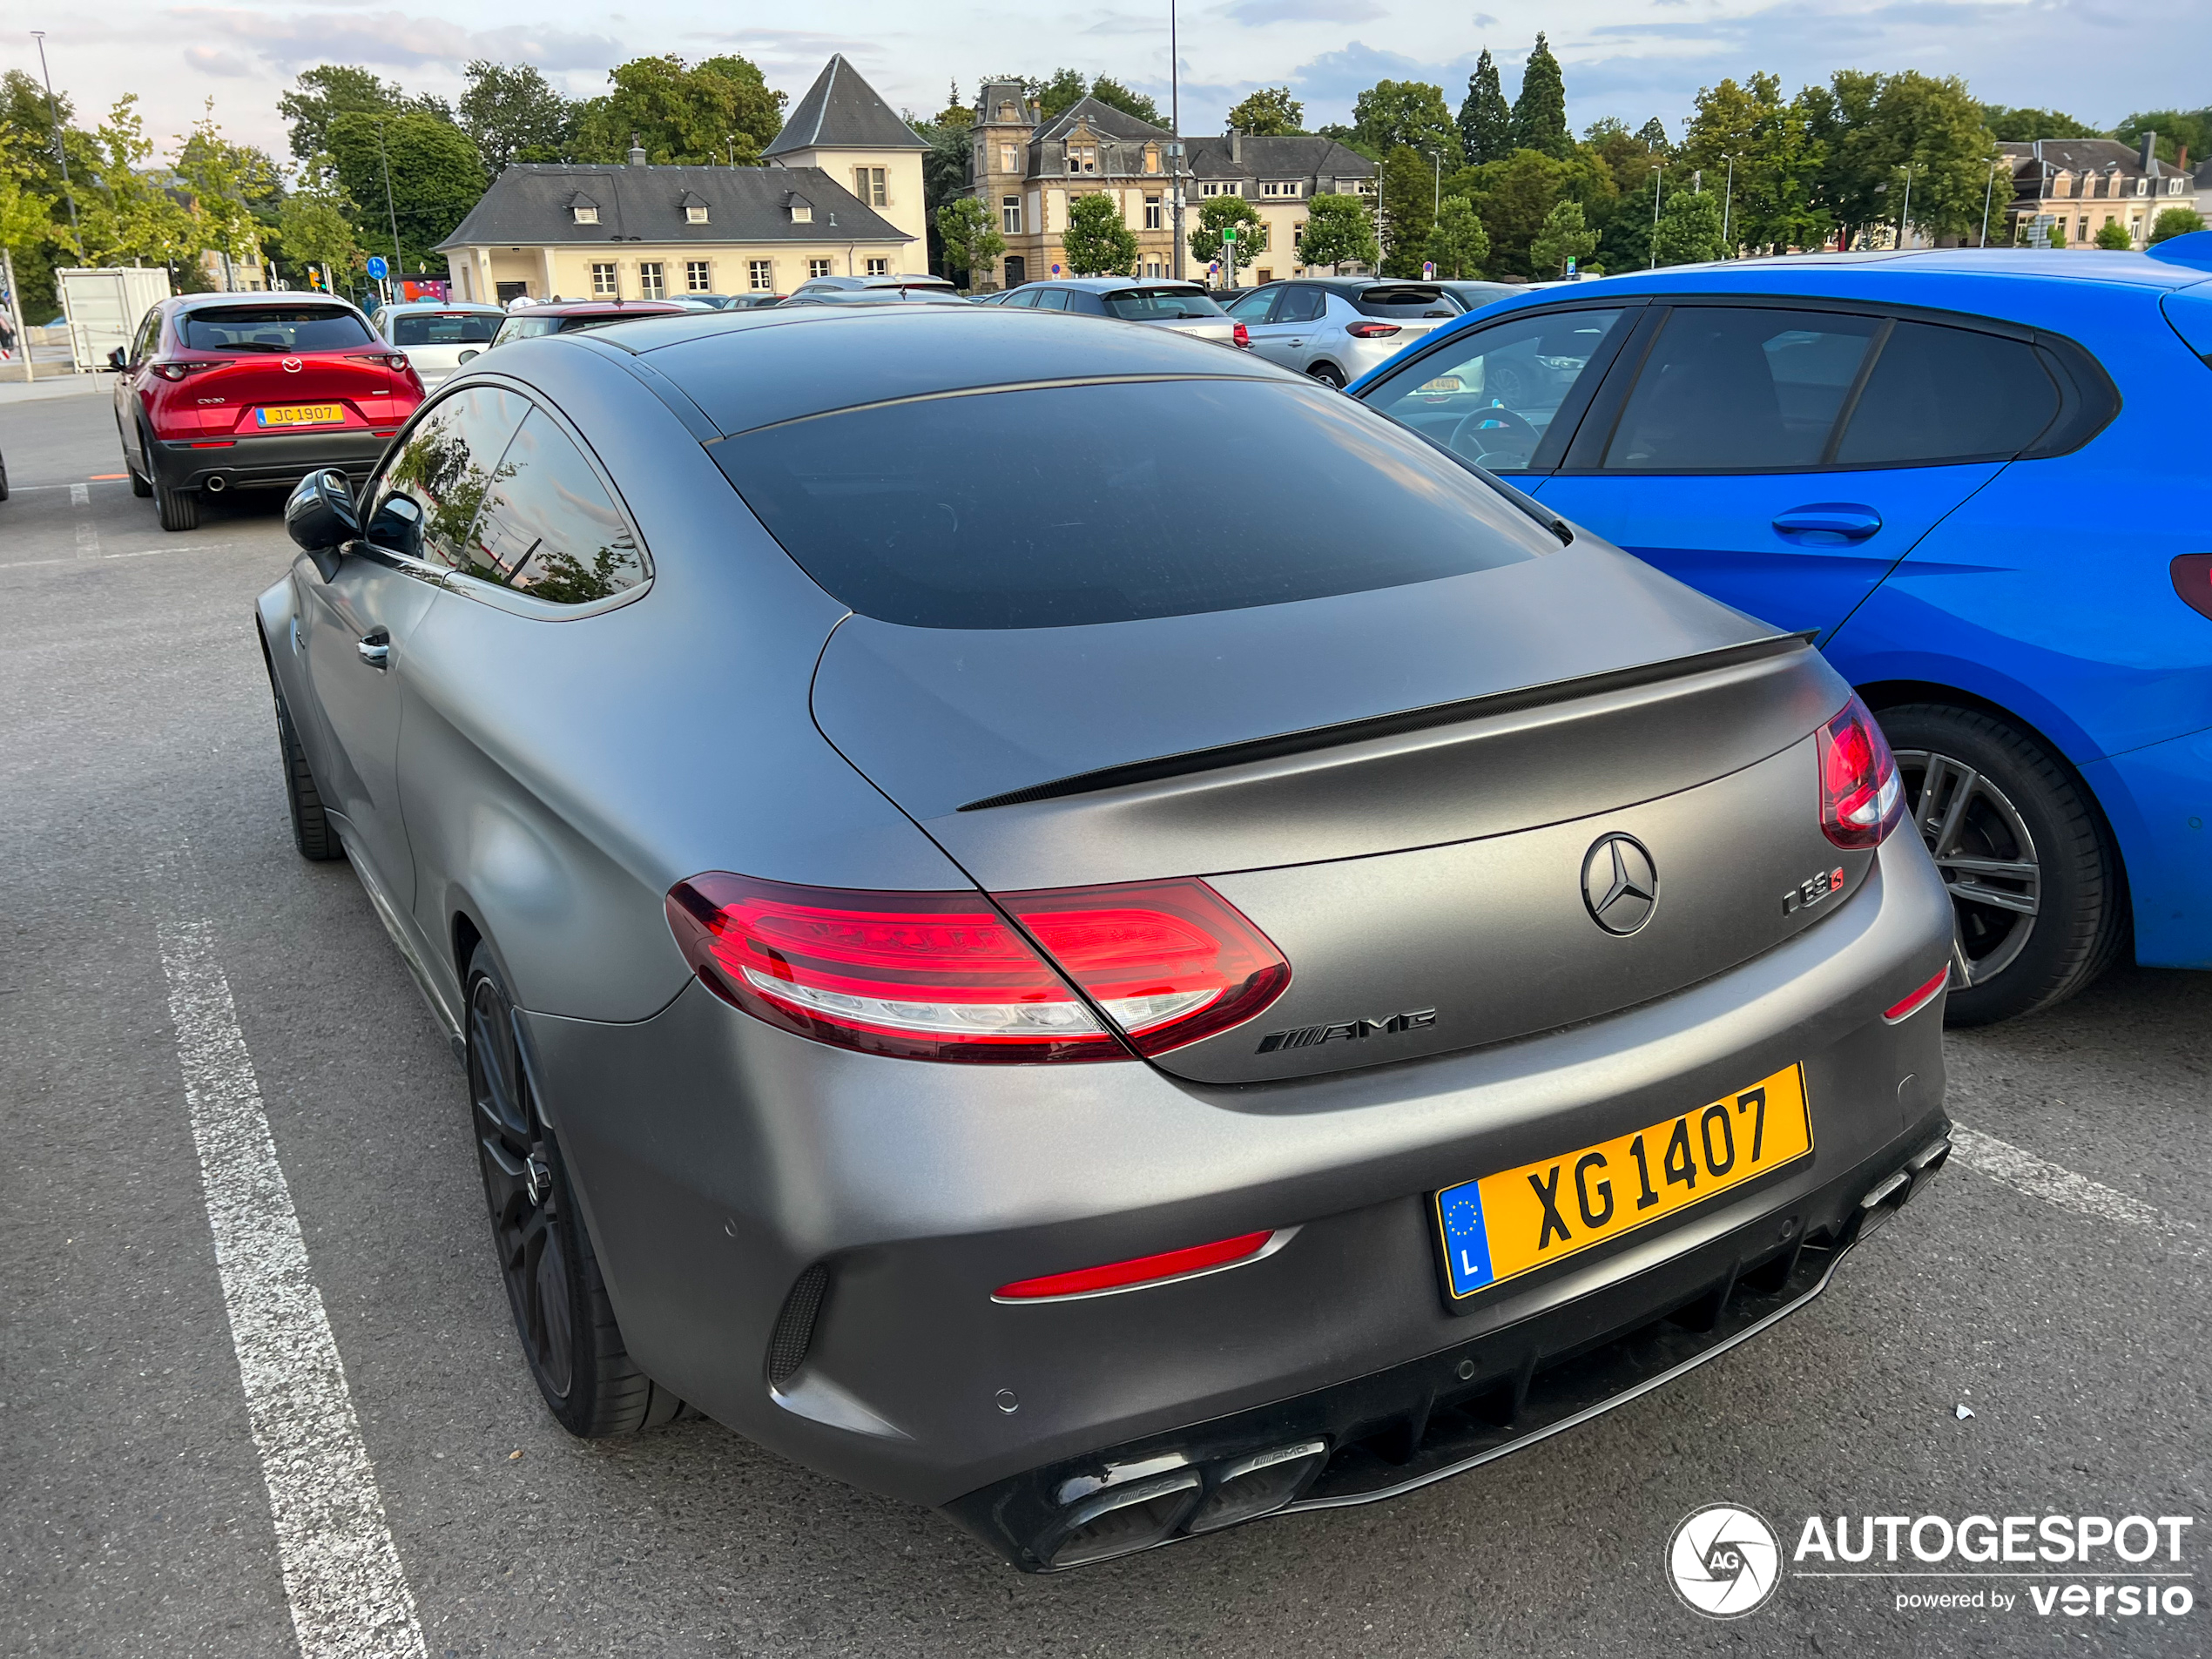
(695, 215)
(802, 210)
(1006, 112)
(1151, 158)
(1082, 158)
(585, 213)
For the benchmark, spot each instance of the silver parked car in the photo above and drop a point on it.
(1337, 328)
(1036, 984)
(436, 334)
(1163, 302)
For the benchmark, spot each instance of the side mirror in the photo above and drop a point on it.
(320, 516)
(469, 357)
(116, 359)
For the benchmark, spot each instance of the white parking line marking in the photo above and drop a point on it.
(2024, 1172)
(80, 495)
(341, 1575)
(135, 553)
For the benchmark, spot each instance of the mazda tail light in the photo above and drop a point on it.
(1861, 798)
(1241, 335)
(2193, 581)
(946, 977)
(170, 371)
(1370, 330)
(395, 361)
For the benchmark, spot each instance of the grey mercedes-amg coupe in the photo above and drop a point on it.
(1064, 924)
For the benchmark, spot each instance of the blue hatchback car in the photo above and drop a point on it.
(1980, 478)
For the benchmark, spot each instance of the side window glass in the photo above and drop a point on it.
(1735, 390)
(548, 528)
(1052, 300)
(1940, 394)
(434, 483)
(1491, 394)
(1254, 307)
(149, 338)
(1300, 305)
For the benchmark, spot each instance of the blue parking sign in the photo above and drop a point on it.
(377, 268)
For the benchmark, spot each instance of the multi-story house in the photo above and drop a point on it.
(841, 196)
(2085, 184)
(1027, 170)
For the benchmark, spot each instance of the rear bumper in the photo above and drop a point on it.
(273, 460)
(723, 1166)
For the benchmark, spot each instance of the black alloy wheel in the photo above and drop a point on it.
(570, 1336)
(1328, 374)
(2039, 906)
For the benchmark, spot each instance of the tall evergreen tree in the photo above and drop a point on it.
(1539, 113)
(1485, 119)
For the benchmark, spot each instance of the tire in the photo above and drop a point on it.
(570, 1337)
(4, 481)
(311, 830)
(179, 508)
(2039, 899)
(1329, 375)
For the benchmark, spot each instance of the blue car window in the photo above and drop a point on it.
(1740, 390)
(1940, 394)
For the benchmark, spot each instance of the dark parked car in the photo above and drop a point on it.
(223, 391)
(1035, 984)
(1160, 302)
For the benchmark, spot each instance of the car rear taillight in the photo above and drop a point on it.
(945, 975)
(1370, 330)
(395, 361)
(1144, 1269)
(1919, 999)
(177, 371)
(2193, 581)
(1861, 798)
(1240, 336)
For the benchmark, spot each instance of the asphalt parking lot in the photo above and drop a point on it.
(2052, 1283)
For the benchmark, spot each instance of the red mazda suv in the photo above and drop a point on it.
(223, 391)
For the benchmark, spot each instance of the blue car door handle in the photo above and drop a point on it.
(1847, 519)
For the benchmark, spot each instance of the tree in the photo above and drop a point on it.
(1513, 198)
(1271, 112)
(1064, 90)
(1563, 237)
(1458, 245)
(226, 181)
(1339, 230)
(972, 242)
(1934, 129)
(2173, 127)
(1485, 119)
(2057, 234)
(2113, 236)
(1391, 114)
(687, 115)
(130, 214)
(1409, 193)
(2024, 126)
(1114, 96)
(1690, 228)
(321, 94)
(436, 178)
(316, 226)
(511, 113)
(944, 168)
(1251, 230)
(1096, 241)
(1539, 113)
(2176, 221)
(1653, 136)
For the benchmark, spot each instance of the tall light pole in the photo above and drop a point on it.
(391, 213)
(1727, 200)
(1905, 214)
(1658, 171)
(61, 150)
(1987, 190)
(1175, 122)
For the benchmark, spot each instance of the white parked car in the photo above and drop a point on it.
(434, 332)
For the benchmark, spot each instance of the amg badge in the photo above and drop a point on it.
(1352, 1030)
(1812, 890)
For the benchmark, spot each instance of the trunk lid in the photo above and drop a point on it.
(1398, 787)
(225, 396)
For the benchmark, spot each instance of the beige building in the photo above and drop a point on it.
(2085, 184)
(1027, 171)
(841, 196)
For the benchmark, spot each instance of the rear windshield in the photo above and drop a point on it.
(1055, 506)
(444, 327)
(1406, 300)
(273, 328)
(1159, 305)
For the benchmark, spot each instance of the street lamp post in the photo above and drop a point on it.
(1174, 124)
(61, 150)
(1987, 190)
(1657, 173)
(391, 213)
(1727, 200)
(1905, 214)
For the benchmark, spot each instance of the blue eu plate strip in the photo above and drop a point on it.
(1467, 1246)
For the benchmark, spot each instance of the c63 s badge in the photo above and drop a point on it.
(1349, 1030)
(1812, 890)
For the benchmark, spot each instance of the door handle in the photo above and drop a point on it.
(376, 648)
(1841, 518)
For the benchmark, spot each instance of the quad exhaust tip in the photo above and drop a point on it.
(1124, 1519)
(1891, 1194)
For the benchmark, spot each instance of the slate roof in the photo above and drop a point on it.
(528, 206)
(1102, 118)
(842, 112)
(2085, 155)
(1303, 157)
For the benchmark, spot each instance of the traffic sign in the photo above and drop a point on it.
(1055, 270)
(1428, 270)
(1228, 233)
(377, 269)
(1570, 266)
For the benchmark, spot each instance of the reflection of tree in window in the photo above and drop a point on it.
(442, 469)
(549, 529)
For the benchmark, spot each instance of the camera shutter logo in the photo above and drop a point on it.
(1724, 1561)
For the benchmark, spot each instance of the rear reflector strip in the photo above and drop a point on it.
(1147, 1270)
(1919, 999)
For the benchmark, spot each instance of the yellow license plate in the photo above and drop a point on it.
(301, 414)
(1502, 1225)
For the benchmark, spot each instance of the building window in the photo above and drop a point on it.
(649, 284)
(868, 185)
(879, 267)
(1010, 214)
(695, 215)
(1263, 275)
(1007, 162)
(761, 276)
(1152, 159)
(586, 215)
(1229, 188)
(1288, 189)
(2081, 231)
(1152, 213)
(1006, 112)
(698, 276)
(1154, 269)
(603, 285)
(802, 213)
(817, 268)
(1082, 158)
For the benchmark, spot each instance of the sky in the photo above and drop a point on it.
(2096, 60)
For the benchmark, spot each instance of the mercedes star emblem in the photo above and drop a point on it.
(1619, 884)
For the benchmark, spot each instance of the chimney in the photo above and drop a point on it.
(1236, 144)
(637, 151)
(2149, 153)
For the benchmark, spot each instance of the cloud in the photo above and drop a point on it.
(229, 65)
(1258, 14)
(1483, 20)
(394, 40)
(1127, 23)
